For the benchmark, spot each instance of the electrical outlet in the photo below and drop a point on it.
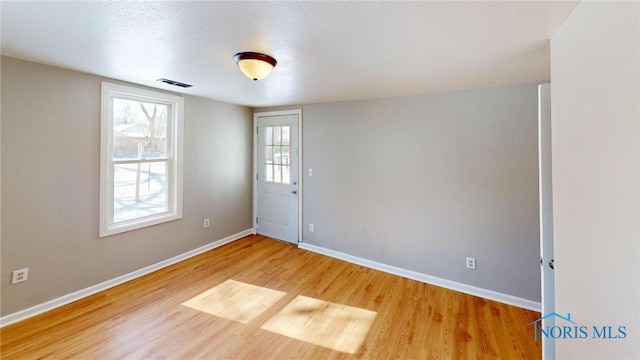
(207, 223)
(471, 263)
(310, 227)
(19, 276)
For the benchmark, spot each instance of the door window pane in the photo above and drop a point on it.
(268, 154)
(286, 136)
(277, 156)
(269, 135)
(276, 135)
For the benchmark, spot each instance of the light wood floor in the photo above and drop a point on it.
(257, 298)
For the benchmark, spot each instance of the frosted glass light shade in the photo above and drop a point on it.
(255, 66)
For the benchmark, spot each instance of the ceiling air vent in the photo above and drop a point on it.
(175, 83)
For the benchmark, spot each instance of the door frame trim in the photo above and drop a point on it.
(256, 115)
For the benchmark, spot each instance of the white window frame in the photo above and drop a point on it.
(174, 161)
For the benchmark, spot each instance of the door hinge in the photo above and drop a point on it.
(257, 130)
(256, 219)
(256, 177)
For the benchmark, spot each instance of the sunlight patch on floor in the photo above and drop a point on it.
(335, 326)
(234, 300)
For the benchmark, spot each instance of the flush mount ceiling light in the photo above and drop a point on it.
(254, 65)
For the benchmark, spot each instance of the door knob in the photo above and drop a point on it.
(551, 264)
(294, 191)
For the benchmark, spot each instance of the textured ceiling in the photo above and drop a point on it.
(326, 51)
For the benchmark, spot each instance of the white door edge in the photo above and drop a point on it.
(256, 115)
(546, 215)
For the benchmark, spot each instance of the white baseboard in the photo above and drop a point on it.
(74, 296)
(448, 284)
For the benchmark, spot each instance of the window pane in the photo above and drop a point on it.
(286, 136)
(139, 190)
(139, 129)
(268, 154)
(286, 175)
(277, 156)
(285, 156)
(276, 135)
(269, 135)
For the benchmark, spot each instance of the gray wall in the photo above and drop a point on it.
(50, 185)
(423, 182)
(595, 115)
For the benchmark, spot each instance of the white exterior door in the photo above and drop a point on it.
(277, 175)
(546, 216)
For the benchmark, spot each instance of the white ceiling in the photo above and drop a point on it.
(326, 51)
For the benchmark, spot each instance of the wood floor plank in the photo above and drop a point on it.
(151, 317)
